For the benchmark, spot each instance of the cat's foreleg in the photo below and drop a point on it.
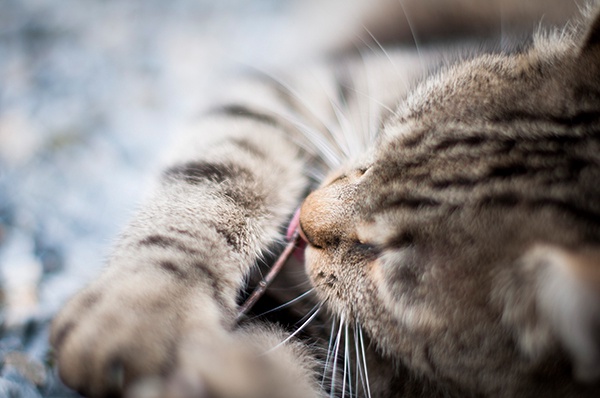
(165, 303)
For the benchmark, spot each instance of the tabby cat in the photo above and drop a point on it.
(453, 241)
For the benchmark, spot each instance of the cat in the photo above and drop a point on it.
(449, 200)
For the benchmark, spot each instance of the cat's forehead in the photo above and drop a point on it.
(491, 88)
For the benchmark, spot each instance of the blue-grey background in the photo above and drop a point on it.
(89, 91)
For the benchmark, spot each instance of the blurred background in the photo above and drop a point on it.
(89, 93)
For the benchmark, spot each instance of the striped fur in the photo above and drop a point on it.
(453, 235)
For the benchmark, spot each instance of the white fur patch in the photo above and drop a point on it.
(570, 303)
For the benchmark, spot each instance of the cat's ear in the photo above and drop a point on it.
(566, 305)
(591, 38)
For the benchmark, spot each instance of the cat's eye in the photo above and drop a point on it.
(366, 248)
(352, 174)
(404, 239)
(362, 170)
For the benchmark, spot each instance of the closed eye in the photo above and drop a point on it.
(368, 249)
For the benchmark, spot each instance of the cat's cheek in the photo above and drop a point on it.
(314, 264)
(398, 290)
(379, 280)
(324, 275)
(376, 273)
(390, 288)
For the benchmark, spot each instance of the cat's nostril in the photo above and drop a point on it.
(306, 237)
(302, 235)
(294, 226)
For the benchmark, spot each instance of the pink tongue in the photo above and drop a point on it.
(292, 228)
(294, 225)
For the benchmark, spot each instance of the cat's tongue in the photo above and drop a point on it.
(301, 243)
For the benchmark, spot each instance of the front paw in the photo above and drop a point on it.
(105, 338)
(244, 364)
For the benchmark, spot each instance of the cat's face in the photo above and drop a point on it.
(466, 242)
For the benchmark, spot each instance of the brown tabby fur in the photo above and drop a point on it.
(458, 256)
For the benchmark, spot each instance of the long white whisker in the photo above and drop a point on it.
(316, 139)
(347, 365)
(284, 305)
(295, 332)
(312, 137)
(337, 135)
(413, 33)
(366, 117)
(335, 356)
(362, 348)
(375, 101)
(345, 361)
(400, 76)
(329, 351)
(329, 128)
(359, 372)
(316, 175)
(374, 107)
(346, 128)
(290, 90)
(375, 115)
(383, 50)
(355, 141)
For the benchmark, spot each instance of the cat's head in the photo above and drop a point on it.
(468, 243)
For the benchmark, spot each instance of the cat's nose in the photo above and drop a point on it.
(325, 216)
(306, 239)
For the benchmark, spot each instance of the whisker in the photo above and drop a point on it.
(337, 135)
(375, 101)
(346, 129)
(374, 107)
(347, 138)
(355, 142)
(347, 365)
(362, 348)
(284, 305)
(315, 313)
(375, 118)
(413, 33)
(503, 38)
(316, 139)
(383, 50)
(358, 371)
(287, 288)
(360, 359)
(268, 279)
(335, 357)
(329, 351)
(305, 104)
(345, 361)
(313, 137)
(375, 51)
(315, 174)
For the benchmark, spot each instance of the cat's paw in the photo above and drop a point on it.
(247, 363)
(173, 340)
(106, 338)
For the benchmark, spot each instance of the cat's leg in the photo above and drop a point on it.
(165, 305)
